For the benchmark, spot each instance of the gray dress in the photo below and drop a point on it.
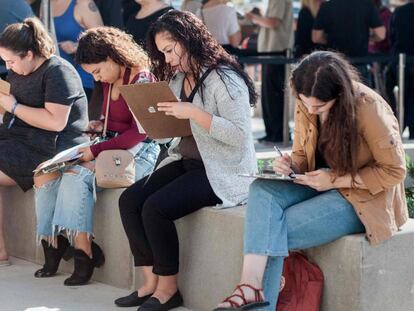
(22, 146)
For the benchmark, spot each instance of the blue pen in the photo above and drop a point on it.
(291, 175)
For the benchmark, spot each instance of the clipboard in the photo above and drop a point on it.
(268, 176)
(4, 89)
(142, 99)
(63, 159)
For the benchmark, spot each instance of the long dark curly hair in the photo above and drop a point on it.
(97, 44)
(202, 48)
(327, 76)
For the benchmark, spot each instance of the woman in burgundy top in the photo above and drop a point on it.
(66, 203)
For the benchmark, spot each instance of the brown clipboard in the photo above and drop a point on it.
(142, 99)
(4, 89)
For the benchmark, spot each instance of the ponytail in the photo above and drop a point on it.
(30, 35)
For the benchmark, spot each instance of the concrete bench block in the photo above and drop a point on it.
(211, 245)
(19, 222)
(360, 277)
(20, 232)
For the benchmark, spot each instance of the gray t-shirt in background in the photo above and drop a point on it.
(221, 21)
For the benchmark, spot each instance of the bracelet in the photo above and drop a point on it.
(13, 111)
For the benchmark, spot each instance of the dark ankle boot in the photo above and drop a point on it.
(53, 256)
(84, 265)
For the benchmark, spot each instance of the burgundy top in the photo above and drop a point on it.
(120, 118)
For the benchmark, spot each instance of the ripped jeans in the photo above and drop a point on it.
(66, 203)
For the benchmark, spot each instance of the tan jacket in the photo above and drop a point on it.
(381, 160)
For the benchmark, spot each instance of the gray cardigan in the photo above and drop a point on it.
(227, 149)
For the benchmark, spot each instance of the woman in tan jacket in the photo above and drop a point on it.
(349, 164)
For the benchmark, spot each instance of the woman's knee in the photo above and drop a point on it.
(128, 201)
(262, 186)
(42, 179)
(77, 178)
(152, 210)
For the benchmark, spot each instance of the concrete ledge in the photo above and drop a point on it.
(358, 277)
(364, 278)
(20, 231)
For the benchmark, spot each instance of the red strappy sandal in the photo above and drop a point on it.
(246, 305)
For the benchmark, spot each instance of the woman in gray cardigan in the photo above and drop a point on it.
(202, 169)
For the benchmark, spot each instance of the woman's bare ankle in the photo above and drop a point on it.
(164, 294)
(146, 289)
(252, 281)
(248, 293)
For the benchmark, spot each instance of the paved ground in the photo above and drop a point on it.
(20, 291)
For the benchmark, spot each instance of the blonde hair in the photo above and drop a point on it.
(312, 5)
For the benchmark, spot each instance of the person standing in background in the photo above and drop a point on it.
(337, 26)
(190, 6)
(12, 11)
(111, 12)
(71, 17)
(382, 47)
(129, 8)
(402, 42)
(220, 17)
(303, 36)
(275, 36)
(137, 25)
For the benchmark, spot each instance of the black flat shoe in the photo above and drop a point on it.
(153, 304)
(132, 300)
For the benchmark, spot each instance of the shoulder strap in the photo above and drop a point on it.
(108, 100)
(127, 76)
(199, 83)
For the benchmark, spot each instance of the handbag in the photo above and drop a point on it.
(114, 168)
(303, 285)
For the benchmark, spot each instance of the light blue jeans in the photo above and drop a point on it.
(283, 216)
(67, 203)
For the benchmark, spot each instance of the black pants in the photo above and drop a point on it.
(273, 81)
(391, 82)
(409, 98)
(149, 207)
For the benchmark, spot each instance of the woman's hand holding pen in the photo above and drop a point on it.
(283, 165)
(320, 180)
(180, 110)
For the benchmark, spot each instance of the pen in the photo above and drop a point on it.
(292, 174)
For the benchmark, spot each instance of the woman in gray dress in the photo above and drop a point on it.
(45, 112)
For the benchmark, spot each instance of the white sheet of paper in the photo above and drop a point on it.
(65, 155)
